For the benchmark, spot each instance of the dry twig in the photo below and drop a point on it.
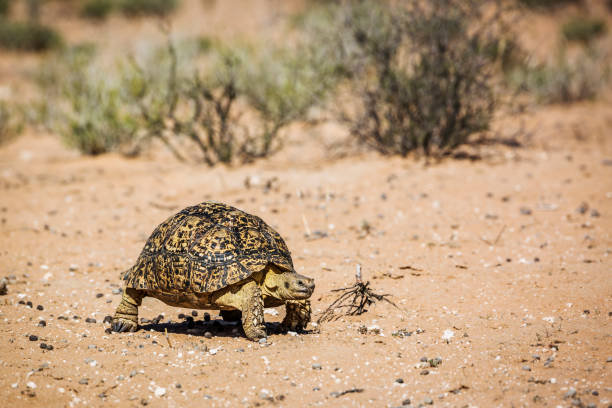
(354, 299)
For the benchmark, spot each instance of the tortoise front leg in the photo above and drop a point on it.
(252, 311)
(126, 315)
(297, 314)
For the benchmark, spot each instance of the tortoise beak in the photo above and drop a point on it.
(304, 284)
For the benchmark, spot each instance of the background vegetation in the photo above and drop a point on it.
(402, 77)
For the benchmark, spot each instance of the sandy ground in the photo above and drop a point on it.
(501, 267)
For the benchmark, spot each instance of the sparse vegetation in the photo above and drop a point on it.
(206, 108)
(5, 7)
(10, 124)
(421, 77)
(564, 81)
(583, 29)
(134, 8)
(27, 36)
(547, 4)
(89, 114)
(97, 9)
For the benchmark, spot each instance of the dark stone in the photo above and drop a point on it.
(33, 337)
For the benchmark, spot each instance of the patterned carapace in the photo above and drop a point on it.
(205, 248)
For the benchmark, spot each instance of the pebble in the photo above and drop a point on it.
(84, 381)
(609, 360)
(208, 335)
(525, 211)
(423, 359)
(133, 373)
(178, 386)
(406, 401)
(120, 377)
(570, 393)
(595, 213)
(99, 295)
(40, 307)
(160, 392)
(428, 401)
(434, 362)
(317, 366)
(90, 320)
(3, 286)
(116, 291)
(526, 368)
(107, 319)
(33, 337)
(263, 340)
(194, 313)
(31, 384)
(399, 380)
(46, 346)
(424, 372)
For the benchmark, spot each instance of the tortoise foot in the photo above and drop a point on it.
(121, 325)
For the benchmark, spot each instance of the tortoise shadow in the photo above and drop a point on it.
(218, 328)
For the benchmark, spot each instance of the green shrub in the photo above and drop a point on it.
(97, 9)
(229, 110)
(10, 124)
(27, 36)
(583, 29)
(547, 4)
(564, 81)
(134, 8)
(87, 106)
(5, 7)
(420, 77)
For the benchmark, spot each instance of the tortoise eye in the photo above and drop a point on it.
(287, 285)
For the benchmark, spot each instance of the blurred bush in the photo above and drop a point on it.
(231, 108)
(84, 103)
(10, 122)
(420, 77)
(565, 80)
(583, 29)
(97, 9)
(27, 36)
(547, 4)
(135, 8)
(5, 7)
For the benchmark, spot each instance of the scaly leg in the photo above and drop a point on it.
(297, 314)
(252, 311)
(126, 315)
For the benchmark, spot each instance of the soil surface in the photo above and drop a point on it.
(500, 264)
(501, 268)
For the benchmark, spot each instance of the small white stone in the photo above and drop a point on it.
(160, 392)
(31, 384)
(448, 334)
(549, 319)
(14, 385)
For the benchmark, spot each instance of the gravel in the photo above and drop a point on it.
(33, 337)
(317, 366)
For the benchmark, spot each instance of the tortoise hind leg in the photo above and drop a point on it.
(126, 315)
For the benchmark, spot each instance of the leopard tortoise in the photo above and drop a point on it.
(216, 257)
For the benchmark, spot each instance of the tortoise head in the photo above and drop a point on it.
(286, 285)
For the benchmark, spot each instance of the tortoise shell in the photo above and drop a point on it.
(205, 248)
